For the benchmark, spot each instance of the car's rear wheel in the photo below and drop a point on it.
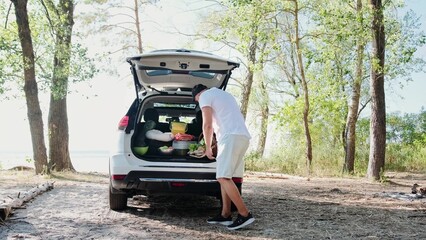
(117, 201)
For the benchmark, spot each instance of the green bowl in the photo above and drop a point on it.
(140, 150)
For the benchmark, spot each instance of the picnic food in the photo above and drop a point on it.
(196, 150)
(166, 149)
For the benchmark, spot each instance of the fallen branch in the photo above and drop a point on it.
(15, 203)
(414, 216)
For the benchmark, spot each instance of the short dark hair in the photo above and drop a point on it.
(151, 114)
(197, 89)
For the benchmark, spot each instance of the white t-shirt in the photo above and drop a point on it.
(227, 117)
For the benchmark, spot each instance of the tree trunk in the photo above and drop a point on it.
(264, 115)
(305, 90)
(30, 87)
(7, 205)
(138, 27)
(59, 138)
(352, 118)
(249, 79)
(58, 118)
(376, 161)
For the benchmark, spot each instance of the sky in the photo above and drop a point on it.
(95, 111)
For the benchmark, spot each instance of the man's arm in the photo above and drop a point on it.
(208, 130)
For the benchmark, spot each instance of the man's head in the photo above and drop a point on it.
(196, 90)
(151, 114)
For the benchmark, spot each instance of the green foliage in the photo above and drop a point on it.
(402, 157)
(290, 159)
(406, 149)
(11, 73)
(245, 25)
(406, 129)
(361, 159)
(331, 31)
(28, 159)
(239, 3)
(82, 66)
(406, 142)
(253, 162)
(327, 116)
(334, 33)
(402, 40)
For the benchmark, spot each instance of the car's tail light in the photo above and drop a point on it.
(118, 177)
(237, 180)
(123, 123)
(178, 184)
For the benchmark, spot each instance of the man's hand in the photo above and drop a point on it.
(209, 153)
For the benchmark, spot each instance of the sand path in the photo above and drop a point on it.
(285, 207)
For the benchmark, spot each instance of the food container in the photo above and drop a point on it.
(178, 127)
(154, 145)
(165, 150)
(180, 152)
(182, 144)
(181, 148)
(140, 150)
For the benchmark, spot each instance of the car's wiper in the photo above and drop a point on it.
(161, 92)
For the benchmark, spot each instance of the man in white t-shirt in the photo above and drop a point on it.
(222, 115)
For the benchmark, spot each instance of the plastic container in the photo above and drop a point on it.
(182, 144)
(154, 145)
(181, 148)
(166, 151)
(178, 127)
(180, 152)
(140, 150)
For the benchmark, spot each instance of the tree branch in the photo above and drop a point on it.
(7, 15)
(117, 26)
(362, 107)
(122, 14)
(52, 28)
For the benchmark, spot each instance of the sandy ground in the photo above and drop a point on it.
(285, 207)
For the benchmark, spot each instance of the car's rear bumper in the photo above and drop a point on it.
(155, 182)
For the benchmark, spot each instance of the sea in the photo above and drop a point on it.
(83, 161)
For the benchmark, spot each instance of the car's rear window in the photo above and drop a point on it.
(169, 112)
(162, 72)
(175, 105)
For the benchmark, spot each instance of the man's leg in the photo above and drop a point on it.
(230, 193)
(230, 163)
(226, 202)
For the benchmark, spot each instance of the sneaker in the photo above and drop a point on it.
(241, 222)
(220, 219)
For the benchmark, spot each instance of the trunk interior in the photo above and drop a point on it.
(161, 116)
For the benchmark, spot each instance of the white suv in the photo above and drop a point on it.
(163, 81)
